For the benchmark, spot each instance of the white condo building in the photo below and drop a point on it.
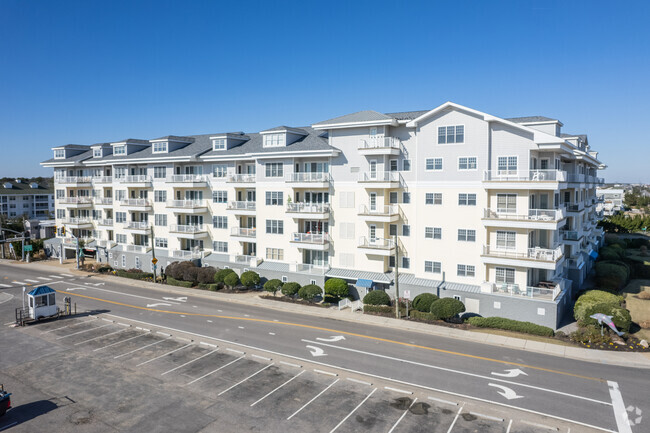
(499, 213)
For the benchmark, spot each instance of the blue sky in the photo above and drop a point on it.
(92, 71)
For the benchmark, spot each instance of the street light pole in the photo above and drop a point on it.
(153, 255)
(396, 279)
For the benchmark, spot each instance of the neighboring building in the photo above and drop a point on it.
(40, 229)
(29, 200)
(610, 200)
(499, 213)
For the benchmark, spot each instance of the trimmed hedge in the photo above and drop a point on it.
(419, 315)
(290, 289)
(337, 288)
(221, 274)
(447, 308)
(594, 297)
(611, 274)
(206, 274)
(309, 292)
(213, 287)
(376, 297)
(511, 325)
(378, 309)
(273, 286)
(133, 275)
(231, 279)
(174, 282)
(423, 301)
(250, 279)
(620, 316)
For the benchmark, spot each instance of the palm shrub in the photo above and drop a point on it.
(272, 285)
(337, 288)
(221, 274)
(423, 301)
(231, 279)
(250, 279)
(309, 292)
(377, 297)
(290, 289)
(447, 308)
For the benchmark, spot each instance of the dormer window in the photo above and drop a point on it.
(119, 150)
(219, 144)
(97, 153)
(59, 154)
(160, 147)
(273, 140)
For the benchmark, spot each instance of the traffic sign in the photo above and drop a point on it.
(28, 248)
(407, 294)
(154, 260)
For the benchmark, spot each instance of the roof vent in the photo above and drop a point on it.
(8, 185)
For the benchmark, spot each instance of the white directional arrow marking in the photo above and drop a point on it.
(316, 351)
(332, 339)
(158, 304)
(514, 372)
(75, 288)
(96, 284)
(181, 299)
(506, 392)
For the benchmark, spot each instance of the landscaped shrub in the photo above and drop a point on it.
(290, 289)
(309, 292)
(637, 243)
(423, 301)
(213, 287)
(177, 270)
(376, 297)
(221, 274)
(135, 274)
(337, 288)
(610, 253)
(273, 286)
(384, 309)
(593, 297)
(447, 308)
(420, 315)
(590, 335)
(510, 325)
(174, 282)
(191, 273)
(231, 279)
(611, 275)
(250, 279)
(206, 274)
(620, 316)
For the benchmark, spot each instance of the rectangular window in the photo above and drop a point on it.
(433, 198)
(273, 140)
(60, 193)
(160, 196)
(274, 198)
(451, 134)
(97, 153)
(432, 267)
(406, 230)
(160, 147)
(120, 194)
(507, 203)
(275, 227)
(160, 242)
(506, 240)
(274, 169)
(219, 196)
(433, 164)
(433, 233)
(120, 238)
(466, 235)
(406, 165)
(505, 275)
(466, 271)
(59, 154)
(60, 213)
(219, 144)
(467, 163)
(275, 254)
(466, 199)
(406, 197)
(346, 199)
(393, 165)
(391, 261)
(220, 222)
(160, 219)
(123, 260)
(406, 263)
(392, 229)
(219, 170)
(392, 197)
(507, 165)
(159, 172)
(119, 150)
(220, 246)
(120, 217)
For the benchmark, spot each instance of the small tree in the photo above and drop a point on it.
(272, 285)
(337, 288)
(309, 292)
(250, 279)
(290, 289)
(377, 297)
(447, 308)
(221, 274)
(231, 280)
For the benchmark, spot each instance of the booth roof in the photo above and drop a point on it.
(42, 290)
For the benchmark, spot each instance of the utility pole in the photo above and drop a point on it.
(396, 279)
(153, 256)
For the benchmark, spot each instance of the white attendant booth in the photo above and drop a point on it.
(42, 303)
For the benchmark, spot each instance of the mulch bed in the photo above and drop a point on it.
(296, 301)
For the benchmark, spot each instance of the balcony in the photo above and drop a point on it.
(103, 179)
(311, 241)
(241, 178)
(189, 231)
(105, 222)
(139, 226)
(243, 234)
(524, 179)
(136, 181)
(105, 244)
(188, 255)
(141, 204)
(570, 235)
(188, 206)
(188, 181)
(77, 223)
(376, 246)
(246, 260)
(241, 207)
(309, 210)
(547, 291)
(545, 219)
(76, 202)
(135, 248)
(308, 180)
(74, 181)
(103, 201)
(381, 179)
(575, 207)
(381, 214)
(540, 258)
(306, 268)
(576, 178)
(380, 146)
(575, 262)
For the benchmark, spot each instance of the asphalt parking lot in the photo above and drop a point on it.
(103, 374)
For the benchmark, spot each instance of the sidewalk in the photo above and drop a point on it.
(625, 359)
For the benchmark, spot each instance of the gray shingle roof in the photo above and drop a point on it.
(23, 188)
(529, 119)
(412, 280)
(407, 115)
(353, 274)
(583, 137)
(76, 158)
(274, 266)
(176, 138)
(359, 116)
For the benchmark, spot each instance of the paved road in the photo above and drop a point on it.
(587, 393)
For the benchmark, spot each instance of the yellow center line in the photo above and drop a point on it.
(385, 340)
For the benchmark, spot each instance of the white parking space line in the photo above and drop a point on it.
(440, 400)
(278, 388)
(490, 417)
(510, 425)
(214, 371)
(55, 276)
(455, 419)
(5, 285)
(317, 395)
(121, 341)
(67, 275)
(81, 332)
(66, 326)
(163, 355)
(354, 410)
(43, 278)
(402, 417)
(620, 412)
(244, 380)
(140, 348)
(20, 283)
(101, 336)
(189, 362)
(32, 281)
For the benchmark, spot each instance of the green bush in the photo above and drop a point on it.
(213, 287)
(423, 301)
(221, 274)
(447, 308)
(590, 335)
(610, 253)
(510, 325)
(206, 274)
(378, 309)
(420, 315)
(231, 279)
(250, 279)
(174, 282)
(376, 297)
(593, 297)
(139, 275)
(337, 288)
(611, 275)
(272, 285)
(620, 316)
(290, 289)
(309, 292)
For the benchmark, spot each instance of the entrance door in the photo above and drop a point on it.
(372, 234)
(250, 195)
(373, 201)
(543, 201)
(373, 169)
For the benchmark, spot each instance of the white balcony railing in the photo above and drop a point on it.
(105, 222)
(310, 238)
(307, 268)
(575, 207)
(76, 200)
(532, 215)
(387, 210)
(73, 179)
(190, 229)
(186, 255)
(535, 253)
(188, 178)
(77, 221)
(525, 175)
(308, 177)
(576, 178)
(247, 233)
(246, 260)
(102, 179)
(308, 207)
(105, 243)
(241, 178)
(135, 248)
(380, 176)
(186, 204)
(103, 200)
(139, 178)
(379, 243)
(141, 202)
(535, 292)
(137, 225)
(380, 143)
(570, 235)
(241, 205)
